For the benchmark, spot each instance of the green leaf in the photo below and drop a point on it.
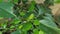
(1, 0)
(6, 10)
(36, 22)
(20, 26)
(16, 32)
(24, 32)
(49, 2)
(48, 21)
(41, 10)
(31, 17)
(27, 26)
(57, 1)
(32, 6)
(22, 13)
(41, 32)
(16, 21)
(12, 27)
(24, 1)
(16, 1)
(5, 1)
(47, 30)
(35, 31)
(4, 26)
(0, 32)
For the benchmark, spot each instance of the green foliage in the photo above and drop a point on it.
(27, 27)
(35, 31)
(49, 2)
(36, 22)
(16, 32)
(6, 11)
(41, 32)
(57, 1)
(32, 6)
(23, 17)
(0, 32)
